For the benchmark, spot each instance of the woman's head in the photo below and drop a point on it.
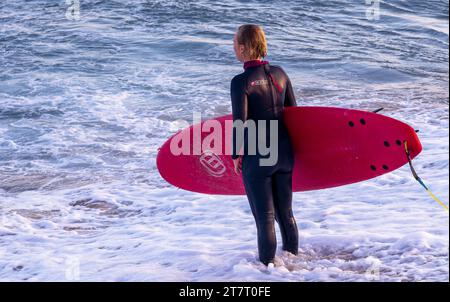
(250, 43)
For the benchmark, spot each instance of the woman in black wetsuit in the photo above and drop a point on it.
(259, 94)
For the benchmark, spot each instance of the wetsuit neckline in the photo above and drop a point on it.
(254, 63)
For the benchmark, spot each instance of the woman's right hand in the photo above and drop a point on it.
(238, 165)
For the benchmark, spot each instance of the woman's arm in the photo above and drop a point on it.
(239, 106)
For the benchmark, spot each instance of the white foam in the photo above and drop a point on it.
(134, 234)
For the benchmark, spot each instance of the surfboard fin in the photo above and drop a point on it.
(378, 110)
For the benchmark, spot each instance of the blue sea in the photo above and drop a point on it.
(90, 89)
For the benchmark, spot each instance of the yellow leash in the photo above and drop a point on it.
(420, 180)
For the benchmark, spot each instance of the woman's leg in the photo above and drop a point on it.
(282, 189)
(260, 197)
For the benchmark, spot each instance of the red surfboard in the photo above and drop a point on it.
(333, 147)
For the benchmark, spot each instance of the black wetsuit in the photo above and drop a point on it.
(260, 94)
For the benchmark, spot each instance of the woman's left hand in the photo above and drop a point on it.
(238, 165)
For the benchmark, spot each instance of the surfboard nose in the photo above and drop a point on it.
(414, 144)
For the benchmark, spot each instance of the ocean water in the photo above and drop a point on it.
(87, 98)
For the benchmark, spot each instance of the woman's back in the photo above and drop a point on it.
(260, 94)
(264, 98)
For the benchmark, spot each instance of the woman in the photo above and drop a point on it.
(260, 93)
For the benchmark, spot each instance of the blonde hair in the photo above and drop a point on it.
(253, 39)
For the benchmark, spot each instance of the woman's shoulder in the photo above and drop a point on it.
(277, 68)
(239, 78)
(278, 71)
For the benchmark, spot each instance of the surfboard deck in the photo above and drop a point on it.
(333, 147)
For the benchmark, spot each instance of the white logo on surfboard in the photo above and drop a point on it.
(212, 163)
